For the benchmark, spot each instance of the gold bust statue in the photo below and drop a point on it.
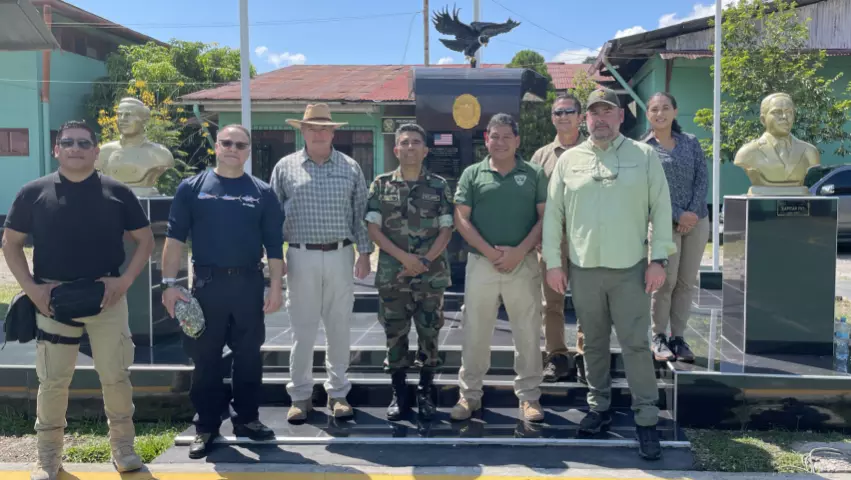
(777, 162)
(134, 160)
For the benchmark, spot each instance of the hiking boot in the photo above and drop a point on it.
(532, 411)
(340, 408)
(254, 430)
(299, 410)
(649, 447)
(594, 422)
(579, 360)
(399, 403)
(464, 409)
(49, 463)
(201, 445)
(680, 348)
(661, 351)
(556, 368)
(125, 459)
(425, 392)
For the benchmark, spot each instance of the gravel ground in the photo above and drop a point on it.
(23, 449)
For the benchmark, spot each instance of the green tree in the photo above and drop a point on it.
(583, 85)
(756, 62)
(536, 128)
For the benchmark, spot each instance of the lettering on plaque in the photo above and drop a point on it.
(793, 208)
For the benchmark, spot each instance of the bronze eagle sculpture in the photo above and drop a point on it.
(468, 38)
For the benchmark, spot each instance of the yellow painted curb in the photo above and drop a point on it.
(19, 475)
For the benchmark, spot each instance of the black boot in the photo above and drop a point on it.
(425, 397)
(400, 396)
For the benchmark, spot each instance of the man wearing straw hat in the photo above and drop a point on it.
(324, 196)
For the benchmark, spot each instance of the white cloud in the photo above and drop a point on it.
(697, 11)
(445, 61)
(278, 59)
(630, 31)
(575, 56)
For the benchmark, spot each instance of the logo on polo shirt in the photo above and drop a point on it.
(520, 179)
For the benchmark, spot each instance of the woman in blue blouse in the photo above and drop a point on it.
(685, 168)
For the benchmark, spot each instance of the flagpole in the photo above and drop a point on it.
(477, 18)
(716, 143)
(245, 72)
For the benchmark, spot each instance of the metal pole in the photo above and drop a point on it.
(425, 31)
(716, 143)
(245, 72)
(477, 18)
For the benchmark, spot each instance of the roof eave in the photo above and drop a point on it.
(84, 16)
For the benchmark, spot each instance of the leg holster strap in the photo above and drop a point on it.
(58, 339)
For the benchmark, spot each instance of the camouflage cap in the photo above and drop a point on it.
(189, 314)
(603, 95)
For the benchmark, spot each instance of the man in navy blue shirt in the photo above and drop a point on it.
(230, 216)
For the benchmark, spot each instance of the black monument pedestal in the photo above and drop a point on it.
(779, 274)
(149, 320)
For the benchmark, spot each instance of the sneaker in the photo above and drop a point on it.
(299, 410)
(680, 348)
(200, 446)
(464, 409)
(661, 351)
(594, 422)
(254, 430)
(532, 411)
(125, 459)
(649, 447)
(340, 408)
(556, 369)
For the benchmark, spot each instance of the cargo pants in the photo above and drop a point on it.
(112, 352)
(397, 308)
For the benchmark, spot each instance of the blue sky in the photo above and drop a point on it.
(285, 32)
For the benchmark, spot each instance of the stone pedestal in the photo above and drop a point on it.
(149, 320)
(779, 274)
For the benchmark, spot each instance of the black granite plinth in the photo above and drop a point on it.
(149, 322)
(779, 274)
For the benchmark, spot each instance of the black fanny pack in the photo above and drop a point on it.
(77, 299)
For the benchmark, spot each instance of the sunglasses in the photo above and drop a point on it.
(81, 142)
(231, 143)
(564, 111)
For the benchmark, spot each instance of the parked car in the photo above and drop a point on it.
(834, 181)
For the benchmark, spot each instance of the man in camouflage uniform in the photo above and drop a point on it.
(409, 216)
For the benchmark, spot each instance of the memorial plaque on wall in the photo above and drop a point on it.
(444, 158)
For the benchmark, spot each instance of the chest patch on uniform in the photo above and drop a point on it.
(390, 197)
(431, 197)
(520, 179)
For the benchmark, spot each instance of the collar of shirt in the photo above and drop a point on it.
(785, 142)
(519, 165)
(557, 144)
(397, 175)
(651, 137)
(331, 158)
(616, 143)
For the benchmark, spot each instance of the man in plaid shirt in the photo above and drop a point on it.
(323, 193)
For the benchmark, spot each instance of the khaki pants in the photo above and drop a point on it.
(112, 351)
(671, 304)
(521, 293)
(605, 297)
(554, 312)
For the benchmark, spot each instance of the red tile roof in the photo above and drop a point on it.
(351, 83)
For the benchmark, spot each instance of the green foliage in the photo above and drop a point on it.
(536, 128)
(756, 62)
(583, 85)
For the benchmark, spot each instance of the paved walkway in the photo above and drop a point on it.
(320, 472)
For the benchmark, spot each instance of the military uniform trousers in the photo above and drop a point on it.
(606, 297)
(233, 309)
(320, 288)
(397, 307)
(112, 352)
(521, 294)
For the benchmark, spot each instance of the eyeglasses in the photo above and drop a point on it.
(81, 142)
(231, 143)
(564, 111)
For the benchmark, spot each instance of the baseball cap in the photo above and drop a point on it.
(602, 96)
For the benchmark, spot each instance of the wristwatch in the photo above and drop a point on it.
(425, 261)
(661, 261)
(168, 282)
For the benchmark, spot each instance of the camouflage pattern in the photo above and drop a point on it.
(395, 311)
(411, 218)
(189, 314)
(411, 215)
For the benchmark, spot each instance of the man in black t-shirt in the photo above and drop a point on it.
(231, 217)
(77, 219)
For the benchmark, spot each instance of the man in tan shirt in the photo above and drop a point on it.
(566, 116)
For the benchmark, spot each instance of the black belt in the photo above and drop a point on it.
(325, 247)
(228, 270)
(57, 339)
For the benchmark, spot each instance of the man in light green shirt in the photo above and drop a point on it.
(604, 193)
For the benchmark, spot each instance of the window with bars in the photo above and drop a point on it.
(14, 142)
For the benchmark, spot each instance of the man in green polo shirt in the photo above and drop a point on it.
(499, 209)
(604, 193)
